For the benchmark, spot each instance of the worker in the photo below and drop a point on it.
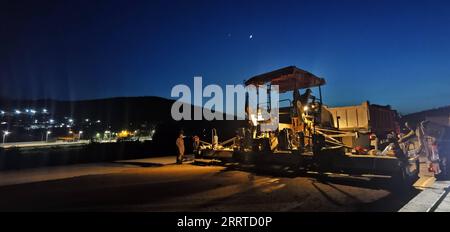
(180, 146)
(434, 158)
(300, 102)
(304, 98)
(196, 144)
(405, 140)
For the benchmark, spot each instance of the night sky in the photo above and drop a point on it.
(388, 52)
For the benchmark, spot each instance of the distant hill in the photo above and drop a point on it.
(116, 112)
(417, 117)
(128, 113)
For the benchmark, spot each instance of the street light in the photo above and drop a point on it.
(5, 133)
(46, 137)
(79, 135)
(107, 135)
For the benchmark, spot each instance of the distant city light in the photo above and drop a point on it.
(18, 112)
(49, 132)
(44, 110)
(98, 121)
(51, 121)
(70, 120)
(33, 111)
(87, 120)
(2, 112)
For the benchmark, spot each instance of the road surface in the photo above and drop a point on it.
(159, 185)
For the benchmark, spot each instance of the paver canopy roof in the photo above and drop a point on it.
(288, 79)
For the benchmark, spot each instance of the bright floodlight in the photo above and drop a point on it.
(5, 133)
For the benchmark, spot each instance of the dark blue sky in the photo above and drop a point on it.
(388, 52)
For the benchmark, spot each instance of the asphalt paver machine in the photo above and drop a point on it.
(306, 137)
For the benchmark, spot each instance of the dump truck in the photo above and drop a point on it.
(369, 120)
(377, 119)
(312, 137)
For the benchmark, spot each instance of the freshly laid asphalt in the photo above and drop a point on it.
(156, 184)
